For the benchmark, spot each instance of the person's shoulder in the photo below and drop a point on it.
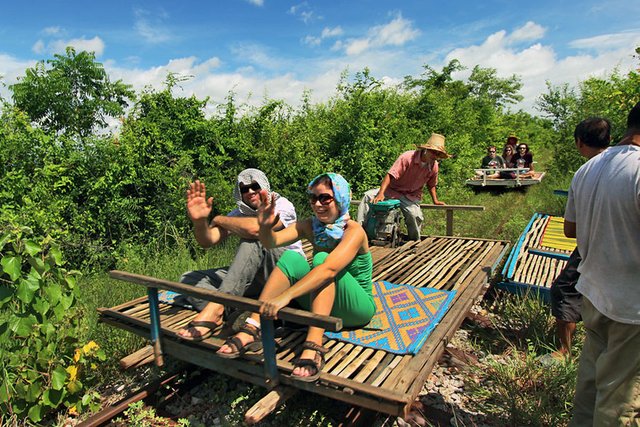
(235, 212)
(408, 155)
(283, 205)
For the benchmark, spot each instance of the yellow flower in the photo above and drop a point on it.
(73, 410)
(76, 355)
(91, 345)
(73, 372)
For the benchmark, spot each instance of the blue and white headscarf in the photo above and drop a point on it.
(329, 235)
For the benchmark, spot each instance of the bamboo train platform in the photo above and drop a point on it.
(537, 258)
(518, 181)
(366, 377)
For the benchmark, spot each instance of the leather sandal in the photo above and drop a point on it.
(316, 364)
(236, 345)
(211, 327)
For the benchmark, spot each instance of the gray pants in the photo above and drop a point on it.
(413, 217)
(246, 275)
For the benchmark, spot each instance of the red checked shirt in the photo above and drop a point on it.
(410, 176)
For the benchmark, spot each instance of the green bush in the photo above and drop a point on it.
(43, 366)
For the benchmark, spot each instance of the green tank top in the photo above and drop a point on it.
(361, 269)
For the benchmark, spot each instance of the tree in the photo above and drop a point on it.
(73, 95)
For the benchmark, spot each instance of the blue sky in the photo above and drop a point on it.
(278, 49)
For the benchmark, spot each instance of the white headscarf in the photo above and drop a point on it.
(246, 177)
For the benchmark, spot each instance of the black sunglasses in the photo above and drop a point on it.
(324, 199)
(253, 186)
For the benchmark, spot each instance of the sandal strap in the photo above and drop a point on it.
(250, 330)
(235, 343)
(316, 347)
(306, 363)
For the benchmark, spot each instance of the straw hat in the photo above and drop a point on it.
(435, 143)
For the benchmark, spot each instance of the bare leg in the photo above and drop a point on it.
(565, 331)
(276, 284)
(321, 303)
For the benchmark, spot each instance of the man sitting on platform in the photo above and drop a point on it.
(491, 161)
(252, 263)
(405, 181)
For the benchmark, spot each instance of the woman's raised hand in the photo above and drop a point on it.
(198, 206)
(266, 210)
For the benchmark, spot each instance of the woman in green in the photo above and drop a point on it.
(339, 284)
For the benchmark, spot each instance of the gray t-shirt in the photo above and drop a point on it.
(604, 202)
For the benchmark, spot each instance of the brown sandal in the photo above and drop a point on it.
(236, 345)
(315, 364)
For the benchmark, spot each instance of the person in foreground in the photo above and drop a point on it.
(603, 213)
(252, 263)
(338, 284)
(405, 181)
(592, 136)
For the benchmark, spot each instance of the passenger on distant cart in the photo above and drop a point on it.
(491, 161)
(524, 159)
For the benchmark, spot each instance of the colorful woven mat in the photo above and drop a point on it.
(173, 298)
(553, 235)
(404, 318)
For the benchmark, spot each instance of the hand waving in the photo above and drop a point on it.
(266, 210)
(198, 206)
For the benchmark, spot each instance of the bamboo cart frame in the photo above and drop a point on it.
(518, 181)
(531, 267)
(366, 377)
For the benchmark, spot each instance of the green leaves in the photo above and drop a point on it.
(27, 289)
(12, 266)
(41, 367)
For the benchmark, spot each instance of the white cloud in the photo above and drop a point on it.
(396, 33)
(255, 54)
(608, 41)
(538, 63)
(304, 12)
(331, 32)
(95, 45)
(312, 41)
(530, 31)
(52, 31)
(256, 2)
(150, 27)
(326, 33)
(38, 47)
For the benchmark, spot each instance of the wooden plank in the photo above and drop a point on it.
(268, 404)
(370, 366)
(200, 354)
(247, 304)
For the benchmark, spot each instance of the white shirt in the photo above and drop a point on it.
(604, 202)
(287, 215)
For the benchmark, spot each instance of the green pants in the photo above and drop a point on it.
(353, 304)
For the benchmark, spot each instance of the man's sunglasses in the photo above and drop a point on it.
(522, 148)
(324, 199)
(253, 186)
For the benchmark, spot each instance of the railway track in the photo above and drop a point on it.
(180, 382)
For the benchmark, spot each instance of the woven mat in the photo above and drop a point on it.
(404, 318)
(553, 235)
